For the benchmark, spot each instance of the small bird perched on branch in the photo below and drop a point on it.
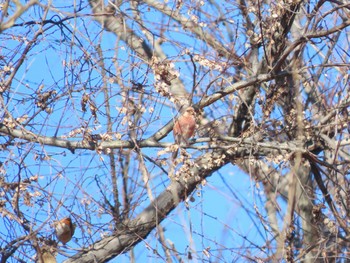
(64, 230)
(185, 127)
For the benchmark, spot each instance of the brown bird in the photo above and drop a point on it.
(47, 257)
(64, 230)
(185, 127)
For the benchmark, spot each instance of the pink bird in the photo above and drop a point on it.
(185, 126)
(64, 229)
